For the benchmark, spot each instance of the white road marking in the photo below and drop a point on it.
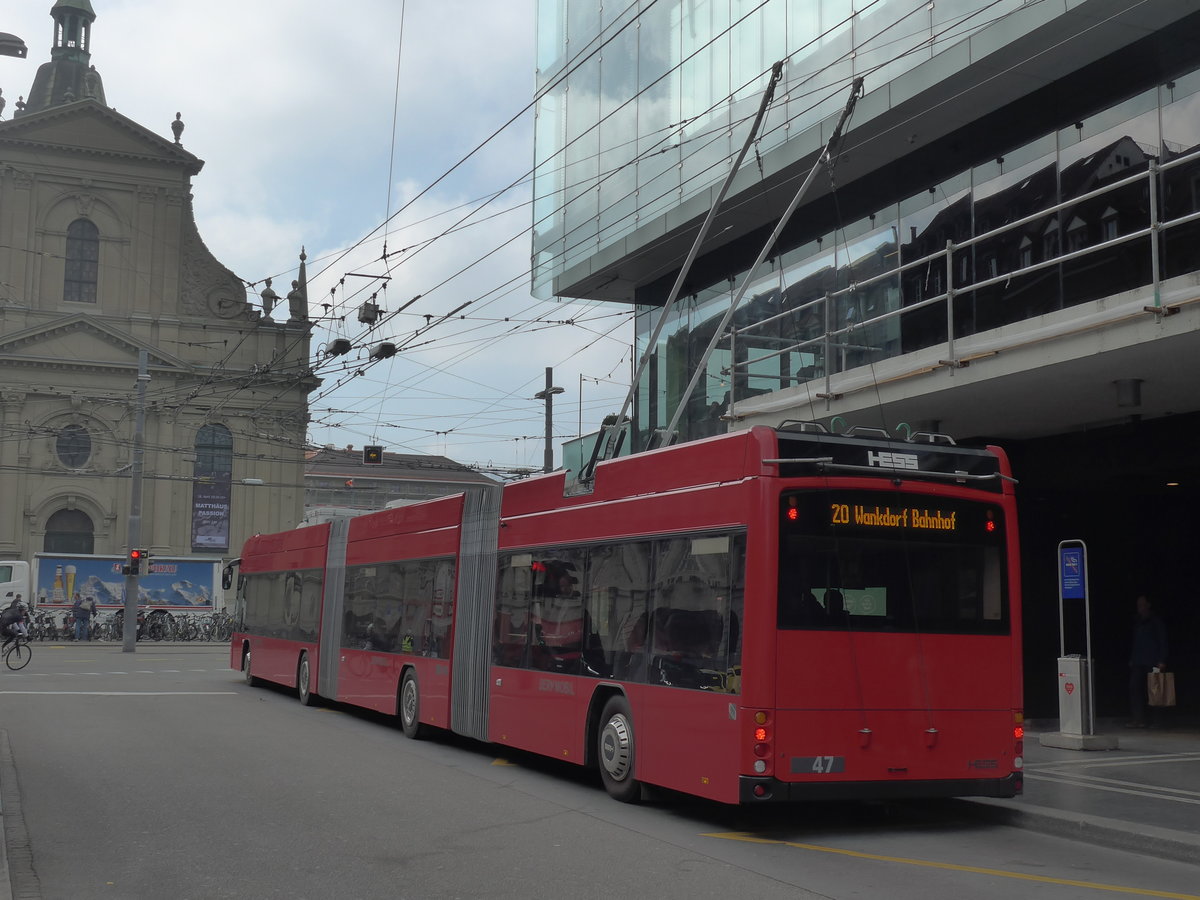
(1116, 787)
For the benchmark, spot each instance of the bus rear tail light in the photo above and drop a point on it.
(761, 742)
(1018, 739)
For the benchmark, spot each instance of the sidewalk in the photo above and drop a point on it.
(1143, 797)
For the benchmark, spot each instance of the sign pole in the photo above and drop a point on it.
(1074, 673)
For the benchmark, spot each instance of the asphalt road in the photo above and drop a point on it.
(160, 774)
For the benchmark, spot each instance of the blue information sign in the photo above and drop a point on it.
(1071, 573)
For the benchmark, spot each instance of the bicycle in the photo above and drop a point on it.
(18, 653)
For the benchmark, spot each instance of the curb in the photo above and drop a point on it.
(5, 879)
(12, 827)
(1149, 840)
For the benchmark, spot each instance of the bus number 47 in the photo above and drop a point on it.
(819, 765)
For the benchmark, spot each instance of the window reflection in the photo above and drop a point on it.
(283, 605)
(664, 612)
(781, 329)
(400, 607)
(687, 80)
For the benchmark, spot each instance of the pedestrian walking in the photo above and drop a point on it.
(83, 610)
(1148, 653)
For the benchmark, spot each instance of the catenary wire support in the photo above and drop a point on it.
(823, 159)
(614, 446)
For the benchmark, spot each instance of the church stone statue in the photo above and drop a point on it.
(269, 298)
(297, 303)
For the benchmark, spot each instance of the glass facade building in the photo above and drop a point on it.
(1008, 160)
(643, 105)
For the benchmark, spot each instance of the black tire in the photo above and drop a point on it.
(408, 707)
(252, 680)
(18, 655)
(616, 751)
(304, 682)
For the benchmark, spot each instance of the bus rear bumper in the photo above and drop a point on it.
(754, 789)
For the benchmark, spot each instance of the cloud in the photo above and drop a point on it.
(294, 107)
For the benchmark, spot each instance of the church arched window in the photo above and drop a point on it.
(214, 451)
(69, 531)
(83, 262)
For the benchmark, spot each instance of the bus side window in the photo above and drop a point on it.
(510, 635)
(629, 653)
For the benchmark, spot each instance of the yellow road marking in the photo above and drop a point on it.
(503, 762)
(930, 864)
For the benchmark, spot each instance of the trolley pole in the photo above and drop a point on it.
(134, 534)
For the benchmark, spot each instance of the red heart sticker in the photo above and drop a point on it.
(1070, 688)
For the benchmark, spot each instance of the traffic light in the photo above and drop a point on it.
(134, 566)
(373, 455)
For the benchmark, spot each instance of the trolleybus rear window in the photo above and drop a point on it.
(887, 561)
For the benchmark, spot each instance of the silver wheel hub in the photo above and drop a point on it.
(408, 703)
(615, 748)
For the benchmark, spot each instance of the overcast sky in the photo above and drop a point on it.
(291, 103)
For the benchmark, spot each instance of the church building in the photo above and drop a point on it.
(137, 380)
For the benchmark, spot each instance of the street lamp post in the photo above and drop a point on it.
(548, 396)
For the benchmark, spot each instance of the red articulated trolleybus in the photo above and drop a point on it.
(768, 615)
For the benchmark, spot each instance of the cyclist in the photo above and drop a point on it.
(12, 621)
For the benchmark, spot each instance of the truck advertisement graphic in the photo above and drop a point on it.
(176, 582)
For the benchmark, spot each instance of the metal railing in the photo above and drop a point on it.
(833, 339)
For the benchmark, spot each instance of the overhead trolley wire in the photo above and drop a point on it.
(445, 317)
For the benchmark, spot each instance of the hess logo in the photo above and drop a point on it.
(887, 460)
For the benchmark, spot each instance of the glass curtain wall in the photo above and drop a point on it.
(1036, 242)
(643, 104)
(1179, 186)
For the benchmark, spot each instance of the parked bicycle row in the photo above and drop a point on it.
(155, 625)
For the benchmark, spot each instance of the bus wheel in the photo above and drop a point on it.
(251, 680)
(303, 688)
(615, 751)
(410, 706)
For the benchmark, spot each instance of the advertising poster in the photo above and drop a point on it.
(171, 582)
(210, 515)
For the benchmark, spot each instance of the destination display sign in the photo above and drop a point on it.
(920, 518)
(891, 515)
